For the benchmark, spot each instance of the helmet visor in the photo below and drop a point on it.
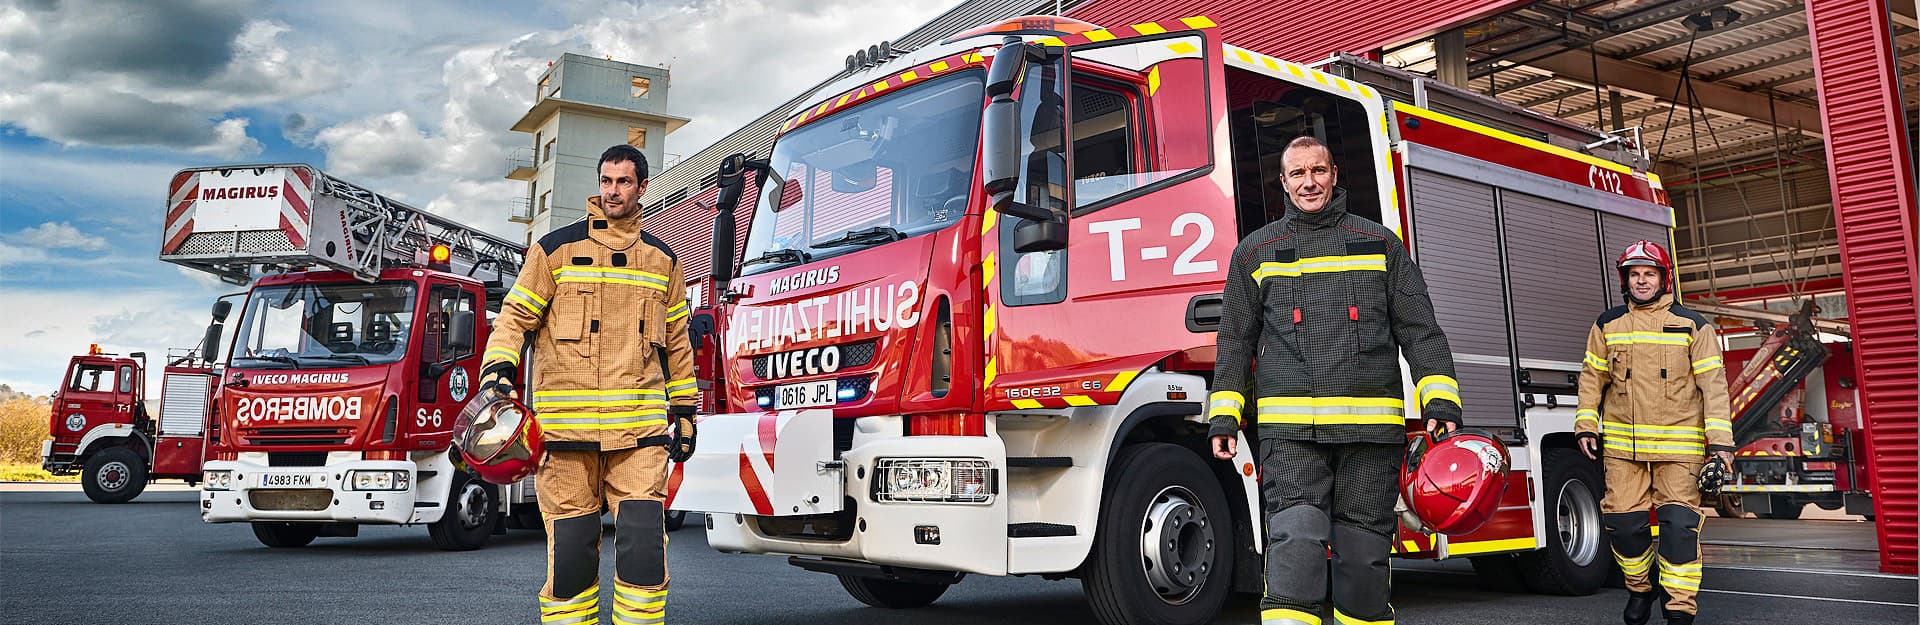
(488, 428)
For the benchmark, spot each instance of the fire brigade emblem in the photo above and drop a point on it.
(457, 384)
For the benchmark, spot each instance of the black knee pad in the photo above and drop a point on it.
(1628, 532)
(576, 554)
(641, 544)
(1679, 533)
(1299, 522)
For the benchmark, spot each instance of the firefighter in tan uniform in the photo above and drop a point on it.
(1653, 402)
(603, 305)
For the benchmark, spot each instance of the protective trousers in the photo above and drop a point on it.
(574, 487)
(1318, 495)
(1671, 491)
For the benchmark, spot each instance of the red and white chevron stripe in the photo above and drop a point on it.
(181, 195)
(296, 211)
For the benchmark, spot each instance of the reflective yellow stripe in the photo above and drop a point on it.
(1646, 338)
(1586, 415)
(1720, 425)
(677, 312)
(527, 299)
(589, 596)
(1597, 362)
(1321, 264)
(1634, 565)
(1709, 363)
(509, 355)
(682, 388)
(1026, 404)
(1226, 403)
(1664, 447)
(601, 420)
(617, 391)
(1275, 614)
(1331, 411)
(1345, 619)
(1484, 546)
(1438, 387)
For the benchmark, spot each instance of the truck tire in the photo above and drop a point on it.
(892, 594)
(115, 475)
(1163, 550)
(285, 535)
(472, 509)
(676, 519)
(1785, 508)
(1576, 558)
(1729, 507)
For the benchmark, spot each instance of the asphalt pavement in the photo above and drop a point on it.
(66, 560)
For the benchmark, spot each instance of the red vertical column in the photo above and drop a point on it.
(1873, 196)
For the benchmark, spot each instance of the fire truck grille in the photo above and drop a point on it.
(851, 355)
(296, 458)
(251, 241)
(284, 499)
(296, 436)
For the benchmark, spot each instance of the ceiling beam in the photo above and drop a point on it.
(1646, 82)
(1745, 47)
(1791, 9)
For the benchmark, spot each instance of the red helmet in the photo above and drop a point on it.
(1453, 483)
(499, 438)
(1650, 254)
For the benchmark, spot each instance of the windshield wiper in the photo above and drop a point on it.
(362, 359)
(286, 360)
(876, 234)
(779, 256)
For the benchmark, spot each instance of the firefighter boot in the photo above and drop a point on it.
(1639, 607)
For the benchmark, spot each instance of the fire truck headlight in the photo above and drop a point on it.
(216, 480)
(76, 421)
(378, 480)
(934, 480)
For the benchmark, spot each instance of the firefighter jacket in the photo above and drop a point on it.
(1318, 309)
(603, 304)
(1653, 386)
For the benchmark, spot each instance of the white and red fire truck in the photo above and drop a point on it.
(351, 356)
(972, 327)
(99, 425)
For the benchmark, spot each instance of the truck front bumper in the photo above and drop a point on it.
(257, 492)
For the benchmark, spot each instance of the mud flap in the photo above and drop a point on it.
(763, 464)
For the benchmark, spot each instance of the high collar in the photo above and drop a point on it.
(1328, 217)
(618, 234)
(1658, 303)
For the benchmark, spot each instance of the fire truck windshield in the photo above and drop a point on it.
(898, 166)
(324, 325)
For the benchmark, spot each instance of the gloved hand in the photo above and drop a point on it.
(499, 378)
(1713, 475)
(681, 448)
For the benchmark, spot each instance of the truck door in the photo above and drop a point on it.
(89, 391)
(1123, 135)
(448, 367)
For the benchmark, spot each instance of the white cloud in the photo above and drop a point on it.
(389, 145)
(40, 338)
(58, 235)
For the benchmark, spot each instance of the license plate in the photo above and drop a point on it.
(804, 395)
(287, 479)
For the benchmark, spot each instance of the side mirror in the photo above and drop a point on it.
(1000, 124)
(210, 344)
(1039, 236)
(220, 310)
(460, 331)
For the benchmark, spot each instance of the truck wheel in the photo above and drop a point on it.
(676, 519)
(1162, 552)
(115, 475)
(285, 535)
(1575, 559)
(472, 509)
(1784, 508)
(1729, 507)
(892, 594)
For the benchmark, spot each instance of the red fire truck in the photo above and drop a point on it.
(351, 356)
(972, 328)
(100, 425)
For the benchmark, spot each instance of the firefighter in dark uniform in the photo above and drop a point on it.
(604, 306)
(1326, 302)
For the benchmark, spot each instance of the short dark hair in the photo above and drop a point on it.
(1307, 141)
(624, 153)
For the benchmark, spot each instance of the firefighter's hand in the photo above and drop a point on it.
(1437, 426)
(1726, 458)
(499, 377)
(681, 449)
(1224, 447)
(1589, 445)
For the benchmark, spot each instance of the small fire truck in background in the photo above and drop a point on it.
(350, 357)
(101, 427)
(973, 328)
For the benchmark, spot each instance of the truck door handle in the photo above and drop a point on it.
(1203, 312)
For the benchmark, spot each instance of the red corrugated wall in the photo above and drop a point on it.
(687, 227)
(1303, 31)
(1873, 198)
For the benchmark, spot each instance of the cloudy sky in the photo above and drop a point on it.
(100, 102)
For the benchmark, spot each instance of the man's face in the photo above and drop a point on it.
(620, 189)
(1310, 176)
(1643, 282)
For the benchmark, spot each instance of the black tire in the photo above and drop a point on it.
(285, 535)
(892, 594)
(472, 508)
(115, 475)
(1576, 557)
(1730, 507)
(1164, 493)
(1785, 509)
(676, 519)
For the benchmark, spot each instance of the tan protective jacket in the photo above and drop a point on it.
(605, 306)
(1653, 386)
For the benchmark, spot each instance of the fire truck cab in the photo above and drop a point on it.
(972, 330)
(101, 428)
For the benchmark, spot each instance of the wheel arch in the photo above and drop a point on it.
(1174, 422)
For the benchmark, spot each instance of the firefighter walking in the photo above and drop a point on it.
(1653, 403)
(602, 304)
(1326, 301)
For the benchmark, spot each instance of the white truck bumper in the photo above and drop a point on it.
(320, 494)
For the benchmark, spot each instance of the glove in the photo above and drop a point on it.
(681, 448)
(1712, 476)
(498, 378)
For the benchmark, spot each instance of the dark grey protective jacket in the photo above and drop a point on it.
(1325, 303)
